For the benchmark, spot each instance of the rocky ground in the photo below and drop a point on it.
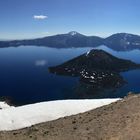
(117, 121)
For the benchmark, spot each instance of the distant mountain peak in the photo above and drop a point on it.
(96, 60)
(97, 51)
(118, 41)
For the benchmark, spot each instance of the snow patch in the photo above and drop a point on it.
(4, 105)
(73, 33)
(87, 53)
(14, 118)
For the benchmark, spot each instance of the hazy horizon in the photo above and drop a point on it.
(62, 33)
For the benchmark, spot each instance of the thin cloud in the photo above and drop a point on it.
(40, 17)
(40, 63)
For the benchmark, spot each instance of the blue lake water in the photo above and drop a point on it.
(25, 78)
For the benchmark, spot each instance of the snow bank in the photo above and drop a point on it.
(4, 105)
(14, 118)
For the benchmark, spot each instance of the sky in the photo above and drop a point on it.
(21, 19)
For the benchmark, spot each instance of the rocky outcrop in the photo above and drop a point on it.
(96, 67)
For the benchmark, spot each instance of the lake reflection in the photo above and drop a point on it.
(24, 74)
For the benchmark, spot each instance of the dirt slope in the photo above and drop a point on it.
(117, 121)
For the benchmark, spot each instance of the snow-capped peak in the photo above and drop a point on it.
(73, 33)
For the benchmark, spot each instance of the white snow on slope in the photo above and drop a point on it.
(73, 33)
(4, 105)
(87, 53)
(14, 118)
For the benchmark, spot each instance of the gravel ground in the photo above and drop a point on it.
(117, 121)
